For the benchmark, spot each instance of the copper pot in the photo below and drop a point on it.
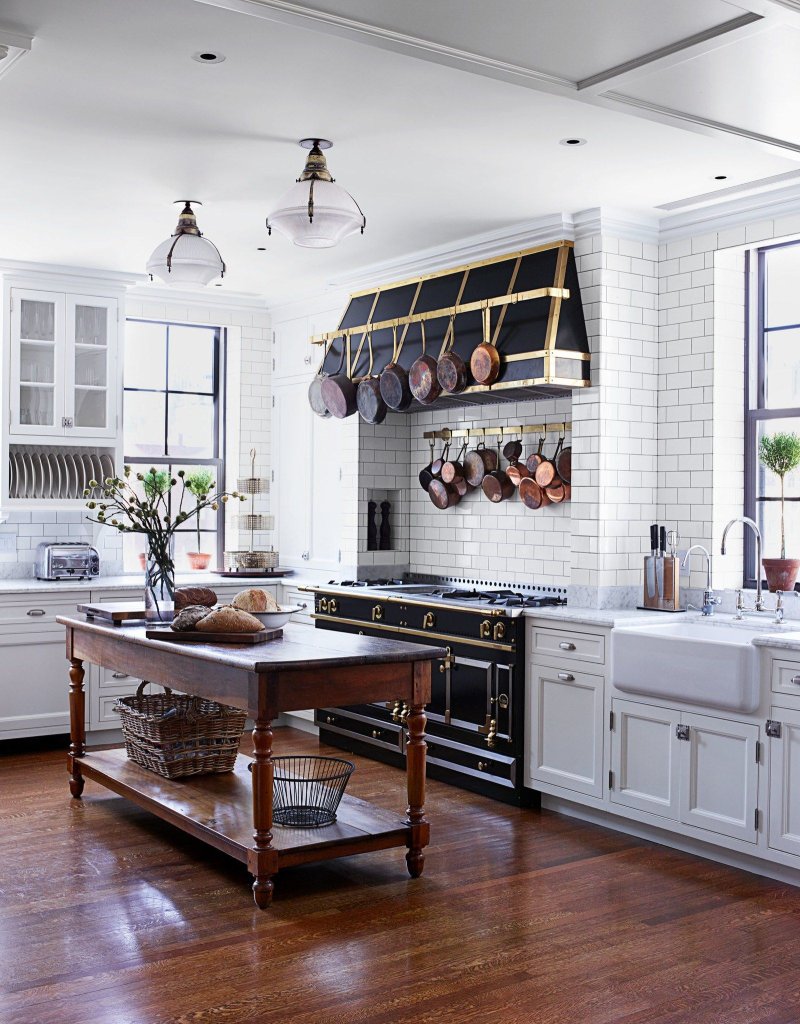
(426, 474)
(451, 370)
(438, 464)
(533, 460)
(315, 399)
(564, 465)
(443, 495)
(339, 392)
(453, 468)
(422, 376)
(497, 485)
(395, 389)
(517, 472)
(371, 406)
(477, 463)
(533, 496)
(485, 359)
(546, 472)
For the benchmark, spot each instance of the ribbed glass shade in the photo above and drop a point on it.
(336, 215)
(194, 261)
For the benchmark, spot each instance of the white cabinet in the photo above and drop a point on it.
(566, 734)
(306, 488)
(696, 769)
(644, 761)
(295, 358)
(784, 780)
(63, 365)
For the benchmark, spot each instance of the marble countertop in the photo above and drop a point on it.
(609, 617)
(134, 581)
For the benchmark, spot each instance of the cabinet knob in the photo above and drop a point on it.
(119, 675)
(566, 677)
(482, 766)
(305, 556)
(376, 735)
(329, 719)
(565, 645)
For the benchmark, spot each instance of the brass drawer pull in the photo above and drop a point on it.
(376, 734)
(482, 766)
(567, 677)
(565, 645)
(36, 612)
(329, 719)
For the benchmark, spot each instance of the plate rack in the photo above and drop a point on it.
(46, 473)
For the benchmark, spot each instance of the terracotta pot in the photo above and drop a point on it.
(198, 560)
(781, 573)
(142, 560)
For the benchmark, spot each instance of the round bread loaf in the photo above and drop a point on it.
(187, 618)
(186, 596)
(255, 600)
(229, 620)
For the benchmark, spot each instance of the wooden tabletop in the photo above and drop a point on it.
(300, 647)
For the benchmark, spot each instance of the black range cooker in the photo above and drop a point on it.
(476, 718)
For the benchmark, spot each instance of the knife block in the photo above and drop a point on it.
(662, 583)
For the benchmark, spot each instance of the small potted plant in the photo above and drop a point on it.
(199, 483)
(780, 453)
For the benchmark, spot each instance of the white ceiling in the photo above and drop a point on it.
(107, 121)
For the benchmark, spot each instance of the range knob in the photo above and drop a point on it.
(333, 606)
(486, 629)
(428, 620)
(377, 613)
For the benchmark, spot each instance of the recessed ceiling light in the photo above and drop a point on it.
(208, 57)
(217, 285)
(572, 141)
(720, 177)
(261, 248)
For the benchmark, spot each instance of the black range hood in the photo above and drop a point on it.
(541, 338)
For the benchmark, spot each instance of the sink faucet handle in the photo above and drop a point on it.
(778, 606)
(739, 604)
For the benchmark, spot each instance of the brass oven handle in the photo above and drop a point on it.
(323, 604)
(486, 629)
(333, 606)
(447, 661)
(565, 645)
(499, 630)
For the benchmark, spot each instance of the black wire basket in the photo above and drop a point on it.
(307, 790)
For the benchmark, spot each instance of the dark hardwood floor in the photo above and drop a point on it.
(107, 915)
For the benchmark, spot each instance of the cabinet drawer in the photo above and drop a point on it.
(386, 735)
(117, 682)
(30, 615)
(786, 677)
(566, 644)
(293, 596)
(105, 715)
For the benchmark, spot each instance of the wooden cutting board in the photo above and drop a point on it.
(115, 612)
(196, 635)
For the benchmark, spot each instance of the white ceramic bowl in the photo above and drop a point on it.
(273, 620)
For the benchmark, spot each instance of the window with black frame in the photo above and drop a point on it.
(172, 421)
(772, 394)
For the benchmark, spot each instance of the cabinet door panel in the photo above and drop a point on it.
(720, 776)
(784, 783)
(293, 352)
(567, 729)
(90, 370)
(34, 687)
(291, 489)
(36, 392)
(644, 760)
(327, 439)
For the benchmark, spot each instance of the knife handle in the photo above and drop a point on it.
(654, 538)
(662, 547)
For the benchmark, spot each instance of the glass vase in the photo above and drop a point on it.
(159, 587)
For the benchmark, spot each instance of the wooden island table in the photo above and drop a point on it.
(305, 668)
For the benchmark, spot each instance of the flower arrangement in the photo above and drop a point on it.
(150, 510)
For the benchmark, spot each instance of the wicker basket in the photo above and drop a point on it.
(176, 735)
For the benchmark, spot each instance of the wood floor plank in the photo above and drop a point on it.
(109, 915)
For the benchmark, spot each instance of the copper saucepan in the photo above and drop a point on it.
(477, 463)
(394, 379)
(451, 370)
(497, 485)
(485, 359)
(426, 474)
(546, 472)
(339, 392)
(371, 406)
(315, 399)
(454, 468)
(536, 457)
(422, 375)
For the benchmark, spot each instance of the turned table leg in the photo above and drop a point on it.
(415, 815)
(263, 858)
(77, 725)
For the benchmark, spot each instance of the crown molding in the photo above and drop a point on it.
(615, 223)
(466, 250)
(728, 213)
(208, 298)
(107, 278)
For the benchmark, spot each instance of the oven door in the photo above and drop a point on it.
(470, 688)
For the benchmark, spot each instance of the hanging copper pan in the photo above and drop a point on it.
(426, 474)
(546, 472)
(564, 465)
(485, 359)
(496, 485)
(371, 406)
(478, 463)
(453, 468)
(394, 379)
(315, 399)
(422, 375)
(438, 464)
(533, 496)
(443, 495)
(339, 392)
(451, 370)
(533, 460)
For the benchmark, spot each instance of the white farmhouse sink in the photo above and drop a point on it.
(709, 663)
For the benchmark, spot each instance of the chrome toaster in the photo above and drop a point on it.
(66, 561)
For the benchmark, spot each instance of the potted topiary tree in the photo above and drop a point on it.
(199, 483)
(780, 453)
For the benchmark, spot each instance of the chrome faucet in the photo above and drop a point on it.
(749, 522)
(709, 597)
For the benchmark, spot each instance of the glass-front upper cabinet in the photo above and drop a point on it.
(63, 377)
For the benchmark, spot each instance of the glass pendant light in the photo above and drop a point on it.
(316, 212)
(186, 257)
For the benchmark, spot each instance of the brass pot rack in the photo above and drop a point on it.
(439, 314)
(562, 427)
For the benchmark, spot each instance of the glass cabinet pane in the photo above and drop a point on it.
(37, 320)
(90, 407)
(36, 405)
(91, 325)
(37, 363)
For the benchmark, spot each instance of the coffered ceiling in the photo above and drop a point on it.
(446, 117)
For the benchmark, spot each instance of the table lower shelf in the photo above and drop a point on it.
(218, 810)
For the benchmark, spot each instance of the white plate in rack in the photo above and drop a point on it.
(72, 476)
(55, 474)
(30, 484)
(40, 483)
(12, 475)
(107, 465)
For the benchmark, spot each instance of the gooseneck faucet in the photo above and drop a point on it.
(747, 521)
(709, 598)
